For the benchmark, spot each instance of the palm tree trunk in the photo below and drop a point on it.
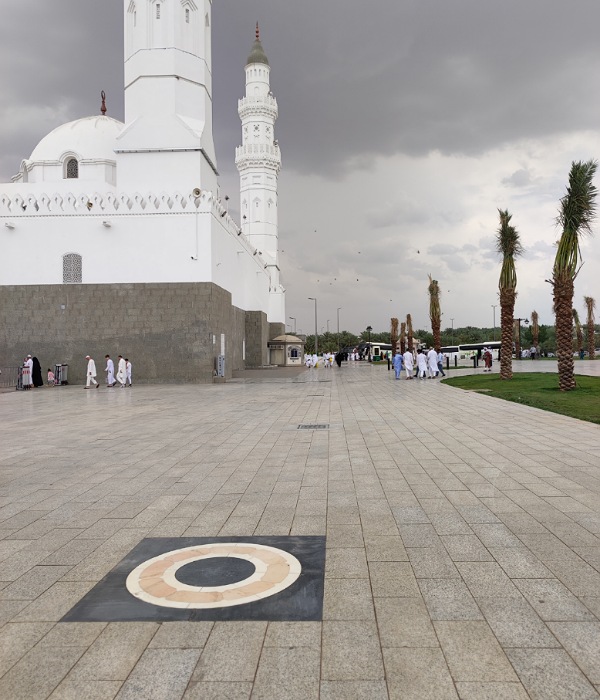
(507, 306)
(403, 337)
(394, 335)
(563, 305)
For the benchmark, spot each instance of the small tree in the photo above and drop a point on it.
(394, 335)
(409, 332)
(535, 329)
(435, 312)
(590, 305)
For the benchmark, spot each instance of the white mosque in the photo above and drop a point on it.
(129, 246)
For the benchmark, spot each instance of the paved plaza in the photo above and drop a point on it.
(460, 534)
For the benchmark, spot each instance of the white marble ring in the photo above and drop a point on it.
(154, 581)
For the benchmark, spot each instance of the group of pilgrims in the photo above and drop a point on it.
(325, 360)
(429, 364)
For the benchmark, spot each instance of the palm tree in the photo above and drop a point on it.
(578, 332)
(590, 304)
(535, 328)
(409, 331)
(394, 335)
(575, 216)
(403, 337)
(509, 246)
(435, 312)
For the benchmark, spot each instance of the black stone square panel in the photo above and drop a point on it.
(165, 579)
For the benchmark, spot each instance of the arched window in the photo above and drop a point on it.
(157, 10)
(72, 168)
(72, 268)
(187, 15)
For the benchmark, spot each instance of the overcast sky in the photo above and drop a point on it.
(403, 125)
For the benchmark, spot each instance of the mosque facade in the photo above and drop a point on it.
(114, 237)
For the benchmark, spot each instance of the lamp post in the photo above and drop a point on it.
(518, 350)
(294, 320)
(316, 328)
(452, 336)
(338, 327)
(328, 325)
(494, 308)
(369, 329)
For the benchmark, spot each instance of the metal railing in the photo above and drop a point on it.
(9, 377)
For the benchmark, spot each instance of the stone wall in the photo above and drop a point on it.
(170, 332)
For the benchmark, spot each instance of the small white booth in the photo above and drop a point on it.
(286, 351)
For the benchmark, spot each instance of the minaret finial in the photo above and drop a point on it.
(257, 32)
(103, 106)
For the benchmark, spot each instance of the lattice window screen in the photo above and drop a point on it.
(72, 268)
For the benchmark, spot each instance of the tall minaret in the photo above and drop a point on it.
(167, 139)
(258, 160)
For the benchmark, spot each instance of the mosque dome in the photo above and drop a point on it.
(91, 138)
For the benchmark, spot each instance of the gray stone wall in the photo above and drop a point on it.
(257, 335)
(276, 329)
(166, 330)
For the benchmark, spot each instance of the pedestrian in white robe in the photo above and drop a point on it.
(127, 372)
(422, 364)
(27, 373)
(110, 371)
(91, 373)
(315, 360)
(308, 361)
(432, 367)
(408, 364)
(121, 371)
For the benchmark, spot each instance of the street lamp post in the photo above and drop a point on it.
(369, 329)
(328, 325)
(452, 336)
(294, 320)
(316, 327)
(494, 307)
(338, 327)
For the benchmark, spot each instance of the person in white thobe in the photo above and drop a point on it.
(121, 371)
(110, 371)
(91, 373)
(26, 375)
(408, 364)
(422, 364)
(127, 372)
(432, 367)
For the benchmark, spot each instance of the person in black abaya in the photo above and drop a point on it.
(36, 373)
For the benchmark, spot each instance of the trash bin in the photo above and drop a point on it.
(61, 375)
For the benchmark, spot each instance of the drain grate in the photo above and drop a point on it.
(313, 426)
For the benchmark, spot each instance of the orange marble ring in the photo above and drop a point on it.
(154, 581)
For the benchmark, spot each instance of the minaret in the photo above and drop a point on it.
(258, 160)
(167, 139)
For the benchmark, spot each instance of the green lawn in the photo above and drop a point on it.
(539, 390)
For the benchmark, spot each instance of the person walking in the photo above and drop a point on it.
(127, 373)
(432, 368)
(440, 363)
(26, 380)
(397, 365)
(121, 371)
(36, 373)
(408, 364)
(421, 364)
(91, 373)
(110, 371)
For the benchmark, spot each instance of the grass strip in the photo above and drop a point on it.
(539, 390)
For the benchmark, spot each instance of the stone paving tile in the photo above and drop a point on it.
(348, 599)
(90, 690)
(404, 622)
(472, 652)
(418, 674)
(17, 639)
(288, 673)
(354, 690)
(550, 674)
(160, 674)
(515, 623)
(552, 600)
(449, 599)
(491, 691)
(218, 691)
(351, 652)
(232, 652)
(181, 635)
(582, 642)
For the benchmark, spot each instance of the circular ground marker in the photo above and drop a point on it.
(155, 582)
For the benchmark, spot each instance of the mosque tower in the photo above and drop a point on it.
(167, 137)
(258, 161)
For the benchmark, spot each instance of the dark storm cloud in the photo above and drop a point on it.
(354, 82)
